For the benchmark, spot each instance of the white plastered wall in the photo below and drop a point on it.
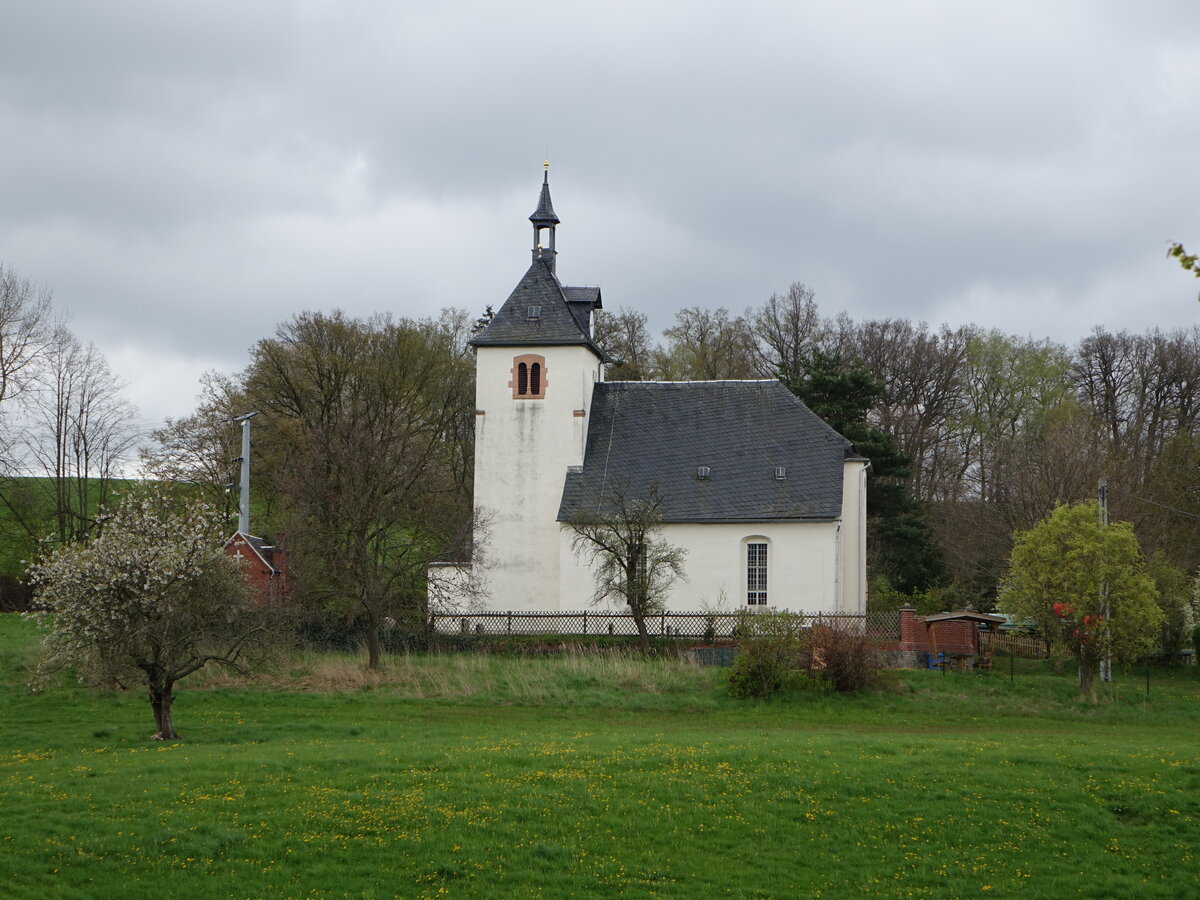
(802, 575)
(853, 538)
(522, 450)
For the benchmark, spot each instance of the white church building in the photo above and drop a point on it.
(767, 500)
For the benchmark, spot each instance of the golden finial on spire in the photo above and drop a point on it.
(546, 165)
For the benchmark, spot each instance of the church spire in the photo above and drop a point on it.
(544, 221)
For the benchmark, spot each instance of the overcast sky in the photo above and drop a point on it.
(185, 176)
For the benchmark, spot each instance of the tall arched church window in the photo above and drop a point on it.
(528, 377)
(756, 573)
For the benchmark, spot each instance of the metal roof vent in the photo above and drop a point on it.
(702, 472)
(574, 470)
(780, 473)
(534, 313)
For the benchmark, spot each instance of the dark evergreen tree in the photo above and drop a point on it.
(483, 321)
(899, 545)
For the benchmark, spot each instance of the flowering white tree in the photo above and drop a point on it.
(153, 598)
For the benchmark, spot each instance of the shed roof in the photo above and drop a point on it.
(964, 616)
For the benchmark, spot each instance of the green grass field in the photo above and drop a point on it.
(489, 777)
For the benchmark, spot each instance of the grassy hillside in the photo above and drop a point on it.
(491, 777)
(33, 499)
(30, 505)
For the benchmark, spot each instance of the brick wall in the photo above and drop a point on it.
(944, 637)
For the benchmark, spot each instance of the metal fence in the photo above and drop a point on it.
(689, 625)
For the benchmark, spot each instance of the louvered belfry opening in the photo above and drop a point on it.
(528, 377)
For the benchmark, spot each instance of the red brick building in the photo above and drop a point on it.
(953, 635)
(266, 565)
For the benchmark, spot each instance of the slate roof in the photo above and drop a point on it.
(565, 313)
(583, 295)
(653, 433)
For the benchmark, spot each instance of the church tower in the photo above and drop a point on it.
(536, 365)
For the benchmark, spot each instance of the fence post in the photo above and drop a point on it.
(509, 627)
(585, 621)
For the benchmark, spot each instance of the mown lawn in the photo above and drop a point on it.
(552, 778)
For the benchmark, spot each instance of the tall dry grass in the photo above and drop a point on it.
(578, 675)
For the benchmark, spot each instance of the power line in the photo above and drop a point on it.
(1173, 509)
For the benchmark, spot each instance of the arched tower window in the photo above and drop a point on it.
(528, 377)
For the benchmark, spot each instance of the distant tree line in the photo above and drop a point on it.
(974, 434)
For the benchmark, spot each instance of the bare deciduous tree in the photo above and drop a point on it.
(623, 336)
(785, 331)
(80, 431)
(25, 329)
(707, 345)
(922, 376)
(199, 449)
(631, 561)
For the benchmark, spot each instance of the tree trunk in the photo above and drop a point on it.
(161, 699)
(374, 645)
(640, 621)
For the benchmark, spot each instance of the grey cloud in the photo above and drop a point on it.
(188, 176)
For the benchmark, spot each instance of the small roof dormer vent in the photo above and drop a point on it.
(534, 314)
(780, 473)
(703, 473)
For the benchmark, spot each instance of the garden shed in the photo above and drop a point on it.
(953, 635)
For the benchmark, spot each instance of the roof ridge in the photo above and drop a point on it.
(707, 381)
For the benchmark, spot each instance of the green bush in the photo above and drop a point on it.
(769, 654)
(777, 654)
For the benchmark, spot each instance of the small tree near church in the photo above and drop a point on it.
(1086, 587)
(150, 599)
(631, 561)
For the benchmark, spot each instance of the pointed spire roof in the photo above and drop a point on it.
(544, 214)
(541, 311)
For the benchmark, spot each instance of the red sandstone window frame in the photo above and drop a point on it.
(528, 377)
